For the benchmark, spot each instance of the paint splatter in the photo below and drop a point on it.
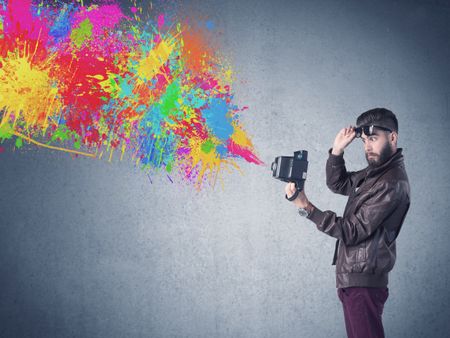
(93, 81)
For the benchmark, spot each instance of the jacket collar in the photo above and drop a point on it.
(394, 161)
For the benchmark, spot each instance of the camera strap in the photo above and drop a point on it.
(293, 197)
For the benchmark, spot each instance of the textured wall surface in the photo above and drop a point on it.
(92, 249)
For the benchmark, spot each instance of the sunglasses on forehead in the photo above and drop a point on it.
(368, 130)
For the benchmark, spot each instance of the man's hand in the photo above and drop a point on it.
(343, 139)
(301, 201)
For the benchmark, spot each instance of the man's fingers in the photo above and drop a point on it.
(290, 189)
(293, 188)
(347, 130)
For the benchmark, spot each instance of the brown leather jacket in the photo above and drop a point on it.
(378, 201)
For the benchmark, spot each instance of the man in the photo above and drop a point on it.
(378, 201)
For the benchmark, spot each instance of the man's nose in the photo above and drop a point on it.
(367, 147)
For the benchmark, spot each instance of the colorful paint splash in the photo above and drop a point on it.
(93, 81)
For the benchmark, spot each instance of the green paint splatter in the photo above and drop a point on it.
(80, 34)
(19, 142)
(169, 102)
(207, 146)
(169, 167)
(61, 134)
(6, 132)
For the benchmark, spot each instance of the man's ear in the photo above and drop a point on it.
(394, 137)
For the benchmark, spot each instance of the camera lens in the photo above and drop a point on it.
(274, 166)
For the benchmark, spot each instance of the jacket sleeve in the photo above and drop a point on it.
(339, 180)
(363, 222)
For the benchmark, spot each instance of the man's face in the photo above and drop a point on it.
(377, 148)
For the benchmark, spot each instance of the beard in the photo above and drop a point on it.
(377, 160)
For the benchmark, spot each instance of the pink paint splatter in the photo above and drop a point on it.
(160, 21)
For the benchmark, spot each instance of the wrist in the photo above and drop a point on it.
(309, 208)
(301, 203)
(306, 210)
(337, 151)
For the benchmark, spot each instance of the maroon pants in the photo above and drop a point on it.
(363, 308)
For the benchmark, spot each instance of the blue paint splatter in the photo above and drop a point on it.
(216, 118)
(210, 25)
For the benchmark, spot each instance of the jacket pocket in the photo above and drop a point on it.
(361, 255)
(360, 258)
(353, 258)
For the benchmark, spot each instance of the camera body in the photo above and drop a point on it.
(291, 168)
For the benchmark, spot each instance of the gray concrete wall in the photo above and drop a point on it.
(92, 249)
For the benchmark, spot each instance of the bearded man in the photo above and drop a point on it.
(379, 198)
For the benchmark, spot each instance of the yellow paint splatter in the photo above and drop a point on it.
(27, 91)
(240, 137)
(149, 67)
(207, 162)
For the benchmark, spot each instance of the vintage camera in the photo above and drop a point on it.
(291, 168)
